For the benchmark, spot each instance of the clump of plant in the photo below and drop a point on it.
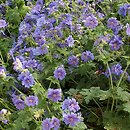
(70, 67)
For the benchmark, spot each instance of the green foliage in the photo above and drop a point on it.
(116, 121)
(80, 126)
(123, 95)
(95, 92)
(104, 97)
(22, 120)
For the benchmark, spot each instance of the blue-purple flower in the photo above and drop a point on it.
(53, 7)
(123, 9)
(100, 15)
(70, 41)
(114, 70)
(31, 100)
(128, 29)
(39, 38)
(28, 81)
(23, 74)
(42, 50)
(71, 119)
(32, 63)
(3, 23)
(46, 124)
(17, 65)
(54, 95)
(60, 73)
(73, 61)
(19, 104)
(87, 56)
(5, 121)
(128, 78)
(15, 98)
(91, 21)
(71, 105)
(102, 39)
(55, 123)
(117, 29)
(115, 43)
(41, 21)
(112, 23)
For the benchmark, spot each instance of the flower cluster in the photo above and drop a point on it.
(48, 123)
(26, 78)
(41, 26)
(70, 115)
(20, 103)
(115, 70)
(102, 39)
(62, 43)
(69, 106)
(54, 95)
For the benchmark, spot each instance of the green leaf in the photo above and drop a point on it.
(72, 91)
(13, 16)
(24, 116)
(38, 89)
(127, 107)
(122, 94)
(23, 10)
(80, 126)
(95, 92)
(118, 121)
(87, 94)
(53, 80)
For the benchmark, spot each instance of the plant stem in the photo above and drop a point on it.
(6, 106)
(89, 110)
(122, 76)
(113, 102)
(1, 127)
(108, 104)
(2, 60)
(50, 84)
(74, 81)
(121, 80)
(49, 110)
(111, 82)
(18, 90)
(98, 105)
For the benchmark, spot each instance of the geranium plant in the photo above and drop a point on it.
(69, 67)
